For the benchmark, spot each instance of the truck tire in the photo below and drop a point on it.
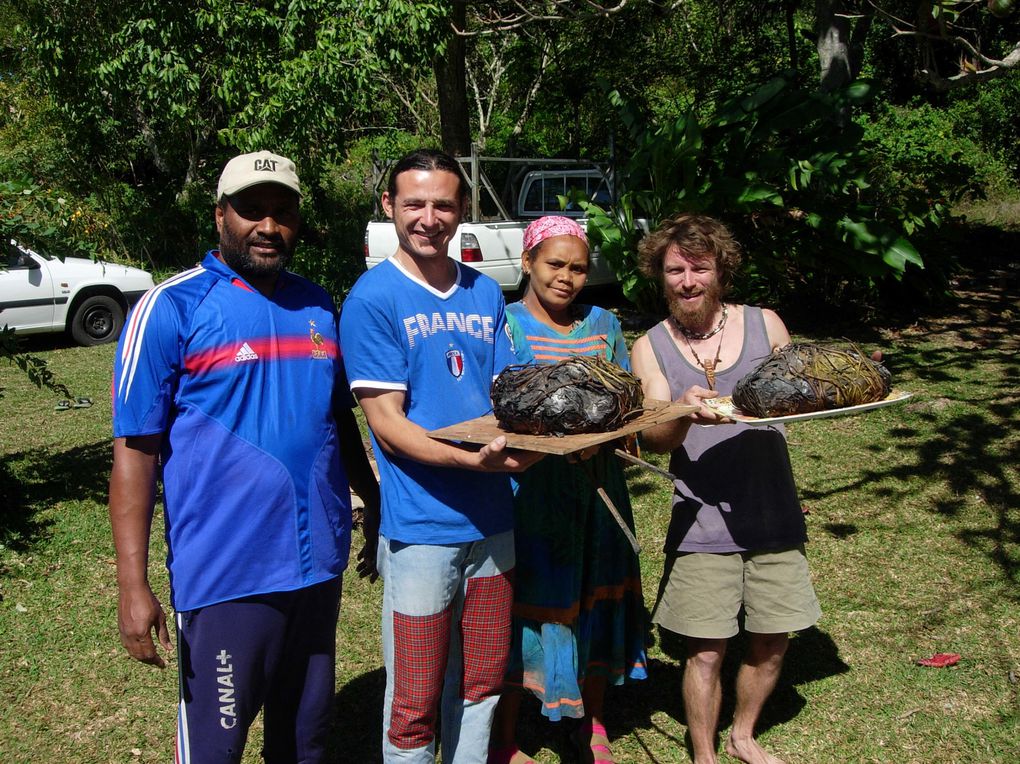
(97, 320)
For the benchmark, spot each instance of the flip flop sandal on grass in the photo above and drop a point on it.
(82, 403)
(62, 406)
(940, 660)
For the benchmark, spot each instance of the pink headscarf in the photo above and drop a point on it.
(549, 226)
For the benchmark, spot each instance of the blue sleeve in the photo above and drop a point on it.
(373, 353)
(503, 354)
(147, 367)
(519, 338)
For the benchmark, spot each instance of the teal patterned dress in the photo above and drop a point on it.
(578, 608)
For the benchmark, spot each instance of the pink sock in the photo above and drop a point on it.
(593, 728)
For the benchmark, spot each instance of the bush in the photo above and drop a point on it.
(987, 116)
(921, 159)
(929, 161)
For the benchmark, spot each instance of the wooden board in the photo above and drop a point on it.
(485, 429)
(725, 407)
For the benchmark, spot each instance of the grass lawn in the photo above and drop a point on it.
(915, 549)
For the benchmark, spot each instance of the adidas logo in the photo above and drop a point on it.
(246, 354)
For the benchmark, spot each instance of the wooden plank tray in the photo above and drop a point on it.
(484, 429)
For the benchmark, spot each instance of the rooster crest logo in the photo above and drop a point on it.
(317, 341)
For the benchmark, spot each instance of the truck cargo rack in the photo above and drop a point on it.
(473, 172)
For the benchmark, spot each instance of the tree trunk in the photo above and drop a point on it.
(451, 84)
(833, 44)
(791, 34)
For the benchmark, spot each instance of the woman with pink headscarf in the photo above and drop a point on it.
(578, 610)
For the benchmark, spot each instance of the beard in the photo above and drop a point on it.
(236, 253)
(697, 319)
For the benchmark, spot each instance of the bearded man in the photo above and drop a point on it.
(736, 538)
(229, 384)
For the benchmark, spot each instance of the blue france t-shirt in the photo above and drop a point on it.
(442, 350)
(242, 386)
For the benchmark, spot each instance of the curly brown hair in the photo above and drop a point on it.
(697, 236)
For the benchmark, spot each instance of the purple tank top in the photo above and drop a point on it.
(734, 489)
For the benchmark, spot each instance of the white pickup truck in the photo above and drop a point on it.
(494, 246)
(86, 299)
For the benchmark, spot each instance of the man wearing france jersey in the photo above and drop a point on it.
(229, 381)
(423, 337)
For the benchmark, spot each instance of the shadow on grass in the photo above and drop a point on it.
(973, 452)
(963, 456)
(356, 731)
(40, 343)
(18, 525)
(970, 454)
(631, 709)
(812, 656)
(359, 705)
(31, 482)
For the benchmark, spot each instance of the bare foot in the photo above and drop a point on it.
(749, 751)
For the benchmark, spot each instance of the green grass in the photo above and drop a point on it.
(915, 549)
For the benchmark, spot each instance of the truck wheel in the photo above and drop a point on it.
(97, 320)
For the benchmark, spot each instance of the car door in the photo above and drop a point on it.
(26, 291)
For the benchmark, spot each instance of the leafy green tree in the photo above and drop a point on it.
(157, 95)
(38, 218)
(958, 43)
(144, 101)
(777, 163)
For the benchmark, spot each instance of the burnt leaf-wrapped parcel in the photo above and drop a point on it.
(575, 395)
(801, 378)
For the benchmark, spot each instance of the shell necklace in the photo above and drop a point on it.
(695, 336)
(708, 364)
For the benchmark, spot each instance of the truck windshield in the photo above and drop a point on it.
(542, 190)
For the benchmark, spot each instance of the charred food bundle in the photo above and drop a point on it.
(801, 378)
(577, 394)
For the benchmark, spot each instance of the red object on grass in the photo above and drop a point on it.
(940, 660)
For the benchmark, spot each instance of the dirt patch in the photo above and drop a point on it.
(986, 313)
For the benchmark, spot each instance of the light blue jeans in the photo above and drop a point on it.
(446, 635)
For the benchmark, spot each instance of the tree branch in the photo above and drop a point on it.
(493, 21)
(968, 78)
(532, 91)
(946, 29)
